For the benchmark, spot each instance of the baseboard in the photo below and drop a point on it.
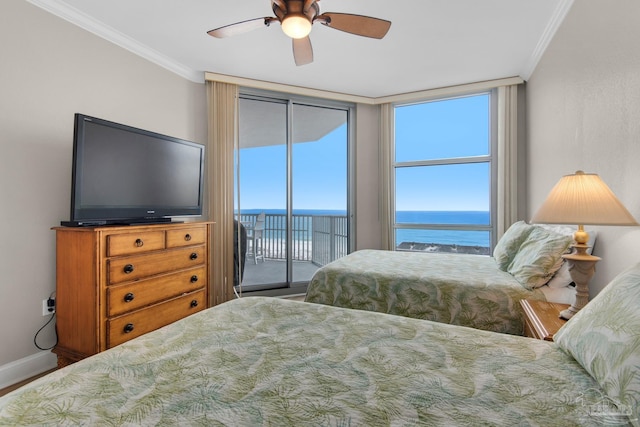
(27, 367)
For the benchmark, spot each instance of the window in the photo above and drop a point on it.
(444, 178)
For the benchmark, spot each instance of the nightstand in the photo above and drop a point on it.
(542, 319)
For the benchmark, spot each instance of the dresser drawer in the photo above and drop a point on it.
(129, 326)
(196, 235)
(137, 267)
(133, 243)
(135, 295)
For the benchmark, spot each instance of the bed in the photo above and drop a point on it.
(260, 361)
(470, 290)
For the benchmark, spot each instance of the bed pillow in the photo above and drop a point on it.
(539, 257)
(604, 337)
(562, 278)
(509, 243)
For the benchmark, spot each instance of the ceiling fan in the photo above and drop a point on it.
(298, 16)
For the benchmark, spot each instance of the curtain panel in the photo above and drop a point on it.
(508, 174)
(222, 111)
(386, 175)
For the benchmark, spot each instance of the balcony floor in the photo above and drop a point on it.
(274, 271)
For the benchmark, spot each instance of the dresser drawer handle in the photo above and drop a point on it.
(139, 243)
(128, 268)
(128, 328)
(128, 297)
(194, 303)
(193, 256)
(187, 237)
(194, 278)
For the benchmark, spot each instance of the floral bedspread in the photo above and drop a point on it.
(261, 361)
(467, 290)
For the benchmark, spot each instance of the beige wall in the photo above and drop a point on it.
(583, 111)
(50, 70)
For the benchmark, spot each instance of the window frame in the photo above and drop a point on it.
(490, 158)
(291, 99)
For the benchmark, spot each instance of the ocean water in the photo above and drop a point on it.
(446, 237)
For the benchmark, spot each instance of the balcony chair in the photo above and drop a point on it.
(239, 251)
(255, 236)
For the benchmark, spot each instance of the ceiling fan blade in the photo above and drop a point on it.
(240, 27)
(356, 24)
(302, 51)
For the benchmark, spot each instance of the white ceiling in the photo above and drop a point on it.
(431, 43)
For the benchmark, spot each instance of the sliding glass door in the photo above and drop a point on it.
(291, 189)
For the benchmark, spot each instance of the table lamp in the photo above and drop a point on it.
(579, 199)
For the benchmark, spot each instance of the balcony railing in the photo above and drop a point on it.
(319, 239)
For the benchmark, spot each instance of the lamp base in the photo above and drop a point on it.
(581, 268)
(568, 313)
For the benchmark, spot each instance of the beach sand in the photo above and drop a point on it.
(441, 248)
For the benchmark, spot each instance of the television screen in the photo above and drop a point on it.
(125, 175)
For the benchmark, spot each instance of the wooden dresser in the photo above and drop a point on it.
(118, 282)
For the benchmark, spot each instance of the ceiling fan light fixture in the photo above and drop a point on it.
(296, 25)
(297, 17)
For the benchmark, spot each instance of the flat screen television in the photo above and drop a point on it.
(126, 175)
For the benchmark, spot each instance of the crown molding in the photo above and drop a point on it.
(86, 22)
(554, 23)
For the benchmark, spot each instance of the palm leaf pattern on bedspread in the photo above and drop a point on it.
(467, 290)
(270, 362)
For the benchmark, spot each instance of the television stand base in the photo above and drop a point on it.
(132, 221)
(82, 223)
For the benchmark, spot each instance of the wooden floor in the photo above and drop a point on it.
(28, 380)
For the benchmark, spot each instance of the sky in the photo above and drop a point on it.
(319, 174)
(427, 131)
(436, 130)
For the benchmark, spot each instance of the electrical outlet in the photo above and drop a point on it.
(48, 306)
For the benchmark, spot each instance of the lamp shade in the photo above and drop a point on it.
(583, 198)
